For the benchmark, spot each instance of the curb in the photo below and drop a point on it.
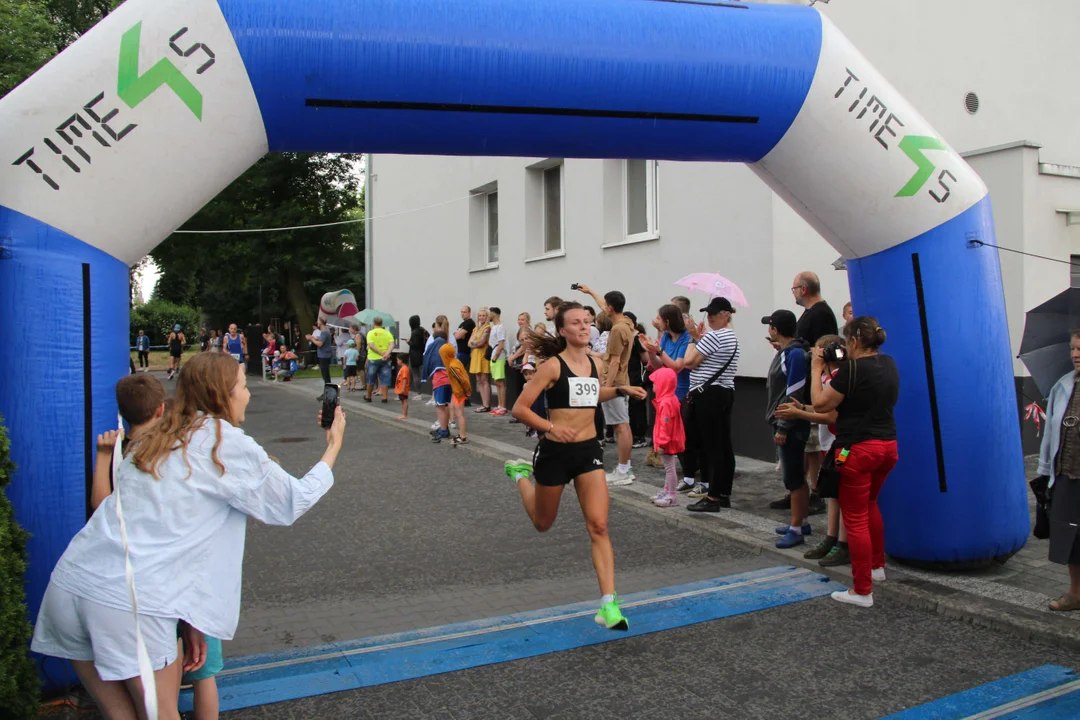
(905, 590)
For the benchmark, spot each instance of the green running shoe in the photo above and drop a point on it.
(611, 617)
(517, 469)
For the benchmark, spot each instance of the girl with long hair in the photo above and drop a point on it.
(188, 487)
(570, 449)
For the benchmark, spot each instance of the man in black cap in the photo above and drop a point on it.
(787, 379)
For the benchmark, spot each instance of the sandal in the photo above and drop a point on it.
(482, 410)
(461, 441)
(1065, 603)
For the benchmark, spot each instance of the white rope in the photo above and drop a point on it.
(319, 225)
(146, 670)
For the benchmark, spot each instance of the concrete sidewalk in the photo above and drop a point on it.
(1010, 597)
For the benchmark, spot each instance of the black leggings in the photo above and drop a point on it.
(707, 420)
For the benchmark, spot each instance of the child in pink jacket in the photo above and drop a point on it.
(669, 438)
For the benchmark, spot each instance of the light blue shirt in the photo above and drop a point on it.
(1056, 405)
(186, 531)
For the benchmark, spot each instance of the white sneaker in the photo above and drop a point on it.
(849, 597)
(435, 425)
(430, 402)
(877, 574)
(617, 479)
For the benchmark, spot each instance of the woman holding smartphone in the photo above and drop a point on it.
(570, 449)
(187, 486)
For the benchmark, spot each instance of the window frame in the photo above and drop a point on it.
(561, 249)
(652, 205)
(488, 261)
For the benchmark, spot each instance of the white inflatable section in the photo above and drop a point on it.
(842, 161)
(124, 156)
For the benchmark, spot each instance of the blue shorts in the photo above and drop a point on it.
(442, 395)
(214, 664)
(380, 369)
(465, 359)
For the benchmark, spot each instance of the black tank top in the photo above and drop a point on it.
(174, 343)
(558, 396)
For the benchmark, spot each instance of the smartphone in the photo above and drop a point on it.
(575, 286)
(329, 404)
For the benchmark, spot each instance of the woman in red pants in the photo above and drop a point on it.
(863, 393)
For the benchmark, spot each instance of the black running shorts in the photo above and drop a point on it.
(556, 463)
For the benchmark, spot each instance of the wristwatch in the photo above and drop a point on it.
(619, 392)
(659, 352)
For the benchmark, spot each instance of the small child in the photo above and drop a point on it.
(669, 437)
(540, 406)
(402, 384)
(460, 387)
(351, 358)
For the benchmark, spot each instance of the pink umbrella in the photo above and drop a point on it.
(716, 285)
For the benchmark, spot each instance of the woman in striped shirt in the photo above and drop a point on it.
(713, 359)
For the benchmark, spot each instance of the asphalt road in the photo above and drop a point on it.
(415, 535)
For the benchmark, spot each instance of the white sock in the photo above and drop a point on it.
(607, 598)
(624, 468)
(688, 481)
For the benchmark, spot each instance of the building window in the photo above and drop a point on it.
(544, 210)
(639, 199)
(553, 230)
(491, 227)
(484, 227)
(1074, 271)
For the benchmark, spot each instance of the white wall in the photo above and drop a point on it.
(1018, 57)
(721, 218)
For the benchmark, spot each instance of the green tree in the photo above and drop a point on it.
(157, 318)
(28, 38)
(292, 269)
(19, 684)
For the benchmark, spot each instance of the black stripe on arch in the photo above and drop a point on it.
(520, 110)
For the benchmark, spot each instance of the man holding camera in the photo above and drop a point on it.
(615, 373)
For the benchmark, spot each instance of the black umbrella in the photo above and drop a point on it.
(1045, 347)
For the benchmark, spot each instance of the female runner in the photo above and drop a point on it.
(570, 448)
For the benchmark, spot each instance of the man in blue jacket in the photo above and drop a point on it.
(787, 379)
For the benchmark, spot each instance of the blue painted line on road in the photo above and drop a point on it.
(290, 675)
(1048, 692)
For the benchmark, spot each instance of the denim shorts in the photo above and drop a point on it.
(380, 369)
(442, 395)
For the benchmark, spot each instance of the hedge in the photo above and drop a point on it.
(19, 683)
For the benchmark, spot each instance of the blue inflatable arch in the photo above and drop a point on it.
(123, 136)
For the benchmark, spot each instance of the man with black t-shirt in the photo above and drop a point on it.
(462, 335)
(816, 321)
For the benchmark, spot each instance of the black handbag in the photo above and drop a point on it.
(828, 479)
(1042, 495)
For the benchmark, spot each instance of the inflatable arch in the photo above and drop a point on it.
(124, 135)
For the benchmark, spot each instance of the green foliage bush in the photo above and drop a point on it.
(157, 317)
(19, 684)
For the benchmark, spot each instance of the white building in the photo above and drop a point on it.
(995, 78)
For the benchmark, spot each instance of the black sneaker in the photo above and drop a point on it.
(817, 505)
(707, 505)
(783, 503)
(839, 555)
(821, 549)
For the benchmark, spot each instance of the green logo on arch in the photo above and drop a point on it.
(133, 88)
